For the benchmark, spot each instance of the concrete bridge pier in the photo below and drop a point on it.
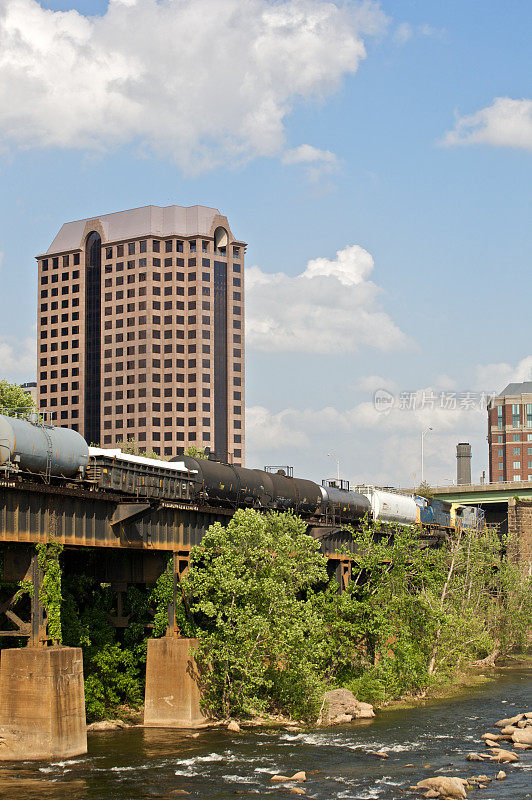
(42, 703)
(172, 697)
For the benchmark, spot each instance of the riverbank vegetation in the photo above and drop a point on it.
(274, 631)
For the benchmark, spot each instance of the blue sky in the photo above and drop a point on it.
(409, 155)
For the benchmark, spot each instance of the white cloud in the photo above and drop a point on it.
(372, 447)
(383, 446)
(18, 358)
(405, 31)
(506, 123)
(307, 154)
(267, 427)
(370, 383)
(496, 377)
(205, 81)
(316, 162)
(330, 307)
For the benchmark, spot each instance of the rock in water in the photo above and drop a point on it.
(364, 710)
(504, 755)
(501, 775)
(341, 703)
(502, 723)
(447, 787)
(107, 725)
(299, 776)
(523, 736)
(233, 726)
(508, 729)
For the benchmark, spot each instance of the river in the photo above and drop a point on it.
(141, 764)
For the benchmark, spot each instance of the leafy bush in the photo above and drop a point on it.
(113, 661)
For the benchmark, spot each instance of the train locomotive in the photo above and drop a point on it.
(35, 451)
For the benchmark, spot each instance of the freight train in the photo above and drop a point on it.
(33, 450)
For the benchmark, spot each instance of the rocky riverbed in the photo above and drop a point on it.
(379, 758)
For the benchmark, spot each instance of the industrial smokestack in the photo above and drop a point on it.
(463, 463)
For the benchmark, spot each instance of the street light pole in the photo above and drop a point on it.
(331, 455)
(422, 454)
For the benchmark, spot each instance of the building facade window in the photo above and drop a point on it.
(515, 415)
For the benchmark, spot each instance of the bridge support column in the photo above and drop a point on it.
(172, 697)
(42, 703)
(520, 526)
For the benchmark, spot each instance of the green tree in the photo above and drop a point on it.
(133, 448)
(425, 490)
(195, 452)
(50, 593)
(248, 589)
(13, 399)
(114, 661)
(425, 612)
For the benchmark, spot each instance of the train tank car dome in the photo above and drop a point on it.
(42, 449)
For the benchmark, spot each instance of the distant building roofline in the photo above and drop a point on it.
(134, 223)
(515, 389)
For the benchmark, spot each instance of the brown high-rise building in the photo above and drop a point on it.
(141, 330)
(510, 433)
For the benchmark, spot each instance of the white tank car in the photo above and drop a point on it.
(392, 507)
(40, 448)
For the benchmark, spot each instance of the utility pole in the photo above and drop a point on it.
(422, 454)
(331, 455)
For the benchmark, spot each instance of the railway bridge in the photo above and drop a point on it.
(506, 504)
(131, 540)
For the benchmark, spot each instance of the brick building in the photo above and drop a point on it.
(510, 433)
(141, 330)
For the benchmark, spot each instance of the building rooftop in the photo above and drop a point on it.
(517, 389)
(147, 220)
